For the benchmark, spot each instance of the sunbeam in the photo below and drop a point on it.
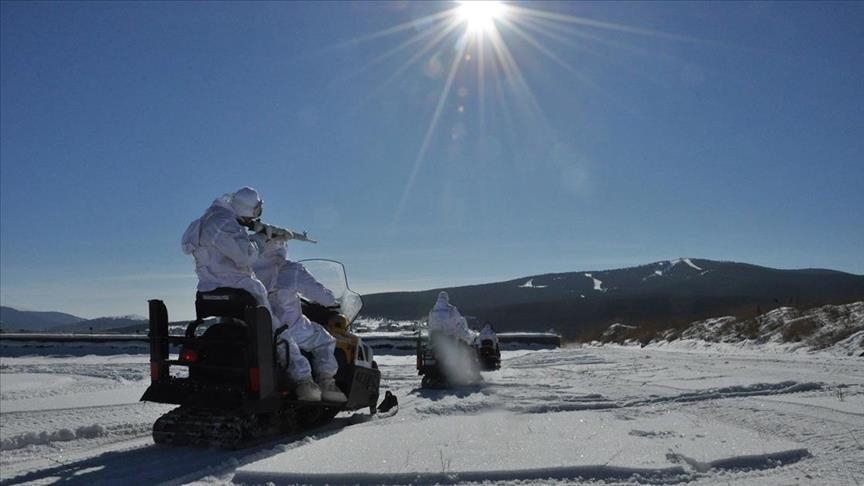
(439, 36)
(488, 31)
(430, 131)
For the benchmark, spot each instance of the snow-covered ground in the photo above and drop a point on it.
(701, 415)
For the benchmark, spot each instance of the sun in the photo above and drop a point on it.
(475, 38)
(480, 15)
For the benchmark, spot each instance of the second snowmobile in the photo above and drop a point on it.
(489, 355)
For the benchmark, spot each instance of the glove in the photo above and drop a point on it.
(269, 230)
(273, 232)
(278, 233)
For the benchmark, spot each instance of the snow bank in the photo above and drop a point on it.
(372, 324)
(62, 435)
(836, 329)
(71, 345)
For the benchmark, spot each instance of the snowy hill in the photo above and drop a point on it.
(671, 292)
(836, 327)
(14, 320)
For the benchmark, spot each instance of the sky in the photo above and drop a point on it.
(422, 148)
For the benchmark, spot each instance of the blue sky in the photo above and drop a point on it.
(607, 135)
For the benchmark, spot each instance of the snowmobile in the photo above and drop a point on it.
(225, 376)
(446, 362)
(489, 355)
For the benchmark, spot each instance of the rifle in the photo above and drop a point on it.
(277, 232)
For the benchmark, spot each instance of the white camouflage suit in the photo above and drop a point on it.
(445, 319)
(286, 281)
(223, 251)
(487, 333)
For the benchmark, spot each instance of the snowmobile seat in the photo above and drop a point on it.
(223, 302)
(222, 351)
(489, 345)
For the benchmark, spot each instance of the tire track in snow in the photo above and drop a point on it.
(140, 461)
(757, 389)
(836, 450)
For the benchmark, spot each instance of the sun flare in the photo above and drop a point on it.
(480, 15)
(465, 50)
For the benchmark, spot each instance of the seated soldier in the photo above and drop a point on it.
(488, 334)
(453, 342)
(286, 281)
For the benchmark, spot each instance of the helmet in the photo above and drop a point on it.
(246, 203)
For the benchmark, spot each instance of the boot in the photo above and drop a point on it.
(308, 391)
(329, 391)
(389, 402)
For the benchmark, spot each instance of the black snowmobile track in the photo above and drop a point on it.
(230, 429)
(205, 427)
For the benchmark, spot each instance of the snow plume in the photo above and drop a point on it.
(457, 361)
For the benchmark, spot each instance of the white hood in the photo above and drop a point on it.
(443, 301)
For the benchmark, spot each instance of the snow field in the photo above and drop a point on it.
(605, 415)
(503, 445)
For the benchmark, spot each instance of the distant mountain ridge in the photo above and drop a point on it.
(669, 292)
(576, 304)
(105, 324)
(14, 320)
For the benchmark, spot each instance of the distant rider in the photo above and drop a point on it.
(488, 334)
(445, 319)
(286, 281)
(453, 343)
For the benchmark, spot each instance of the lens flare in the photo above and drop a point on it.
(480, 16)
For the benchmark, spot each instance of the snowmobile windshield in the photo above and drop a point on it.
(331, 274)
